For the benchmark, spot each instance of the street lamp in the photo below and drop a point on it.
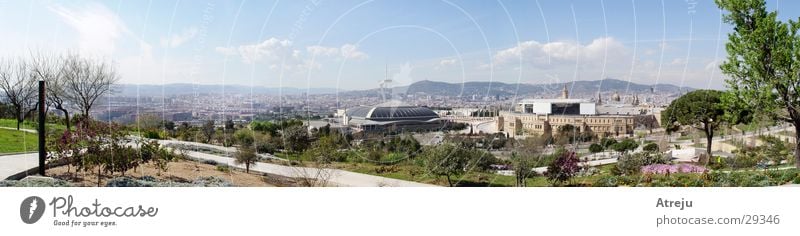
(42, 151)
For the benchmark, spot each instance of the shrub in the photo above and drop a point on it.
(718, 163)
(746, 158)
(563, 168)
(650, 147)
(374, 155)
(211, 181)
(631, 164)
(606, 181)
(152, 134)
(209, 162)
(595, 148)
(265, 147)
(224, 168)
(392, 158)
(35, 181)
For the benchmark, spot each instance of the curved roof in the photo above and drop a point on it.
(391, 113)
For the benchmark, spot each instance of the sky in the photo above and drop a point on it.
(354, 45)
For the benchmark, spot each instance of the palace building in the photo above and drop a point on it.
(531, 116)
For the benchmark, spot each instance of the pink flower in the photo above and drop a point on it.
(675, 168)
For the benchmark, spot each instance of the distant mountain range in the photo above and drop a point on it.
(424, 87)
(585, 88)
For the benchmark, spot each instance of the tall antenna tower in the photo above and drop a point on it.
(384, 83)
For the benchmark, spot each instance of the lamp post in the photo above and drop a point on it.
(42, 151)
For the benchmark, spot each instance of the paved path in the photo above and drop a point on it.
(335, 177)
(11, 165)
(23, 130)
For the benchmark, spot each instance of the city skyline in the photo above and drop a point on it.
(353, 45)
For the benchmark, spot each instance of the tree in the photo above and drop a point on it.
(700, 109)
(324, 150)
(86, 80)
(445, 160)
(523, 167)
(547, 133)
(563, 168)
(650, 147)
(566, 134)
(16, 81)
(607, 142)
(595, 148)
(229, 125)
(50, 69)
(246, 156)
(209, 130)
(295, 138)
(763, 61)
(625, 145)
(244, 137)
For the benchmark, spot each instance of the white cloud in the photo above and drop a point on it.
(547, 54)
(347, 51)
(350, 51)
(277, 53)
(447, 62)
(678, 62)
(176, 40)
(97, 26)
(272, 51)
(322, 51)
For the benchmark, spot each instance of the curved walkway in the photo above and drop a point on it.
(19, 164)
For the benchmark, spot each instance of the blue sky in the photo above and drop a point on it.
(350, 44)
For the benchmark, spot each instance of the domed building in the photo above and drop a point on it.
(392, 116)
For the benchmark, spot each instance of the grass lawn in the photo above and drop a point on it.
(12, 141)
(11, 123)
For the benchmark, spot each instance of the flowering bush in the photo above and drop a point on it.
(563, 168)
(675, 168)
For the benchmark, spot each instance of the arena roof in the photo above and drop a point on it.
(391, 111)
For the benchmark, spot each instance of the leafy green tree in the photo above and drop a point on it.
(244, 137)
(775, 149)
(324, 150)
(763, 61)
(650, 147)
(625, 145)
(445, 160)
(607, 142)
(700, 109)
(595, 148)
(295, 138)
(229, 126)
(246, 156)
(523, 168)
